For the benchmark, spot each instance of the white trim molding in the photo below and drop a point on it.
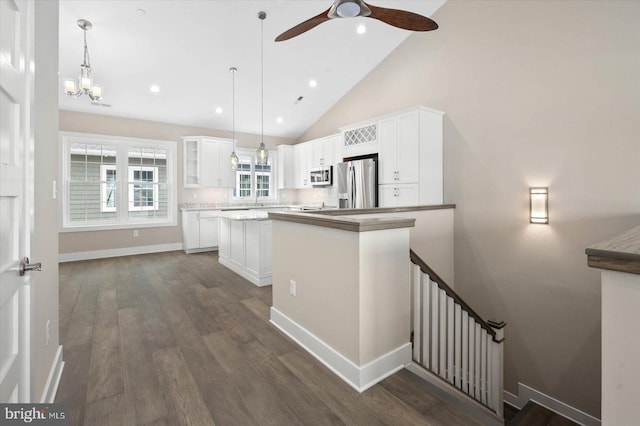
(526, 394)
(358, 377)
(55, 373)
(124, 251)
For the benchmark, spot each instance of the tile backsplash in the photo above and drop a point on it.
(311, 196)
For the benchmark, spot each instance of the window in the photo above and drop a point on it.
(112, 182)
(108, 188)
(252, 179)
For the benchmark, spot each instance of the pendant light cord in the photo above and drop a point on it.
(233, 105)
(262, 75)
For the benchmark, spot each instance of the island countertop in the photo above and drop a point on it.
(620, 253)
(243, 214)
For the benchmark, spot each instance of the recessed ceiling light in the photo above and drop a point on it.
(154, 88)
(361, 29)
(280, 120)
(313, 83)
(219, 110)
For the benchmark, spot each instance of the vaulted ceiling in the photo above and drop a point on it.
(187, 47)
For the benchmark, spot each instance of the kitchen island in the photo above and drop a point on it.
(245, 244)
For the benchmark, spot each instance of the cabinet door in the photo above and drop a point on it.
(387, 196)
(225, 174)
(399, 195)
(208, 232)
(387, 143)
(190, 230)
(209, 163)
(407, 195)
(191, 162)
(286, 167)
(408, 148)
(303, 154)
(326, 158)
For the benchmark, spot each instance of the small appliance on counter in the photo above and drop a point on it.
(321, 176)
(357, 181)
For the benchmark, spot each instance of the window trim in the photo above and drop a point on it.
(104, 168)
(273, 187)
(122, 144)
(131, 183)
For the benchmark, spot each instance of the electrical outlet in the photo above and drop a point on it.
(54, 190)
(135, 233)
(292, 288)
(194, 195)
(48, 334)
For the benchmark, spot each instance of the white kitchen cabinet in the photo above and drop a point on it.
(199, 231)
(399, 148)
(409, 145)
(398, 195)
(322, 151)
(206, 162)
(245, 248)
(287, 167)
(303, 154)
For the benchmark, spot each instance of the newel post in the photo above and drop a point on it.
(497, 381)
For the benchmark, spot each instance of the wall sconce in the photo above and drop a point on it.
(539, 205)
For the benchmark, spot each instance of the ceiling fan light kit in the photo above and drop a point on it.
(354, 8)
(85, 82)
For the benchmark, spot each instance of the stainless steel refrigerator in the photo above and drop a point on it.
(358, 183)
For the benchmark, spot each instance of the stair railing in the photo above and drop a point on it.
(451, 341)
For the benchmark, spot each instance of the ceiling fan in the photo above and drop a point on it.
(352, 8)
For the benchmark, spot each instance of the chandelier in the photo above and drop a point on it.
(85, 82)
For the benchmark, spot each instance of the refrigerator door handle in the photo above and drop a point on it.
(351, 185)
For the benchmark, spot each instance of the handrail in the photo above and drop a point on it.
(449, 291)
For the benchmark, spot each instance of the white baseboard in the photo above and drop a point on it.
(259, 281)
(124, 251)
(526, 394)
(358, 377)
(55, 373)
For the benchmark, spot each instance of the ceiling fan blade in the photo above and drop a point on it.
(402, 19)
(304, 26)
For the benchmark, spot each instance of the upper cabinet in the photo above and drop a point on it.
(322, 151)
(409, 145)
(399, 148)
(410, 163)
(206, 162)
(304, 152)
(287, 167)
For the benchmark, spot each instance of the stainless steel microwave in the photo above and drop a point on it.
(321, 176)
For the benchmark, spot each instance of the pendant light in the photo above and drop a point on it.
(233, 159)
(85, 82)
(262, 154)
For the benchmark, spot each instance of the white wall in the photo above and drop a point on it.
(45, 241)
(538, 93)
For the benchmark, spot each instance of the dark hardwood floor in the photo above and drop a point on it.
(175, 339)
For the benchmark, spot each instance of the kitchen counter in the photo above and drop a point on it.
(259, 206)
(243, 214)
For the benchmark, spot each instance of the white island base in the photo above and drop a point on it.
(245, 246)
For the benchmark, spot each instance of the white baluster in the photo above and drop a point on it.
(476, 388)
(417, 299)
(426, 315)
(450, 328)
(434, 328)
(472, 356)
(490, 397)
(458, 345)
(443, 334)
(465, 351)
(483, 366)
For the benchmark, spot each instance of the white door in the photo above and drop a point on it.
(16, 203)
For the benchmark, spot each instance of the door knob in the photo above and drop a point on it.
(25, 266)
